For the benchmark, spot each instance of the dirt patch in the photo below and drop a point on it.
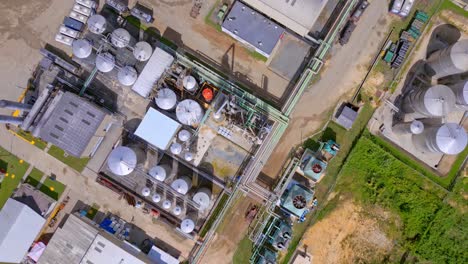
(347, 235)
(459, 21)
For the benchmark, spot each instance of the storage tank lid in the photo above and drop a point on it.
(451, 138)
(158, 172)
(459, 55)
(184, 135)
(122, 161)
(416, 127)
(156, 198)
(188, 156)
(167, 204)
(120, 38)
(202, 198)
(177, 210)
(145, 191)
(439, 100)
(189, 83)
(176, 148)
(105, 62)
(187, 225)
(181, 185)
(82, 48)
(127, 75)
(166, 99)
(189, 112)
(97, 24)
(142, 51)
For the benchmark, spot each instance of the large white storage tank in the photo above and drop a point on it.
(203, 198)
(435, 101)
(449, 139)
(461, 92)
(160, 172)
(189, 112)
(187, 226)
(415, 127)
(451, 60)
(105, 62)
(82, 48)
(182, 185)
(122, 161)
(190, 83)
(166, 99)
(127, 75)
(120, 38)
(97, 24)
(142, 51)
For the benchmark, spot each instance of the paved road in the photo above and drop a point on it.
(339, 77)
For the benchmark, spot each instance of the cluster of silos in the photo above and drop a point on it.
(181, 145)
(449, 61)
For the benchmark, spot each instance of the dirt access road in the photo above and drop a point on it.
(340, 76)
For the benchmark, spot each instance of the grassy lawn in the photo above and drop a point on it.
(15, 169)
(449, 5)
(210, 22)
(76, 163)
(35, 141)
(243, 252)
(214, 215)
(52, 188)
(34, 177)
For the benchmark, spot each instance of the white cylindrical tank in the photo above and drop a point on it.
(461, 92)
(182, 185)
(145, 191)
(177, 210)
(122, 161)
(167, 204)
(449, 138)
(105, 62)
(451, 60)
(188, 156)
(415, 127)
(160, 172)
(97, 24)
(184, 135)
(187, 225)
(176, 148)
(203, 198)
(190, 83)
(142, 51)
(189, 112)
(120, 38)
(82, 48)
(127, 75)
(166, 99)
(156, 198)
(435, 101)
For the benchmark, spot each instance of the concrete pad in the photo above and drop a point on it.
(289, 57)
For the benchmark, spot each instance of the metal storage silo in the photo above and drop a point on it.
(176, 148)
(122, 161)
(156, 198)
(187, 226)
(203, 198)
(188, 156)
(190, 83)
(105, 62)
(182, 185)
(449, 138)
(127, 75)
(82, 48)
(160, 172)
(142, 51)
(145, 191)
(184, 135)
(177, 210)
(435, 101)
(451, 60)
(97, 24)
(189, 112)
(166, 99)
(461, 92)
(415, 127)
(120, 38)
(167, 204)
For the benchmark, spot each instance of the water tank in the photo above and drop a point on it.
(203, 198)
(97, 24)
(189, 112)
(167, 204)
(122, 161)
(187, 225)
(190, 83)
(127, 75)
(435, 101)
(182, 185)
(184, 135)
(142, 51)
(160, 172)
(82, 48)
(105, 62)
(415, 127)
(166, 99)
(176, 148)
(451, 60)
(156, 198)
(120, 38)
(145, 191)
(188, 156)
(449, 138)
(461, 92)
(177, 210)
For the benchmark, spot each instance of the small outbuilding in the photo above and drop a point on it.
(346, 116)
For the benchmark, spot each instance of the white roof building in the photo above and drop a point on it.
(104, 251)
(159, 256)
(157, 129)
(19, 226)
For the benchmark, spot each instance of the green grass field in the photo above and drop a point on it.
(52, 188)
(35, 141)
(214, 215)
(76, 163)
(16, 170)
(34, 177)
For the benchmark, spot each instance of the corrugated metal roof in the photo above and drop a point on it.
(347, 117)
(157, 129)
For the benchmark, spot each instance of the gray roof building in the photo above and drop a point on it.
(252, 28)
(346, 117)
(70, 122)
